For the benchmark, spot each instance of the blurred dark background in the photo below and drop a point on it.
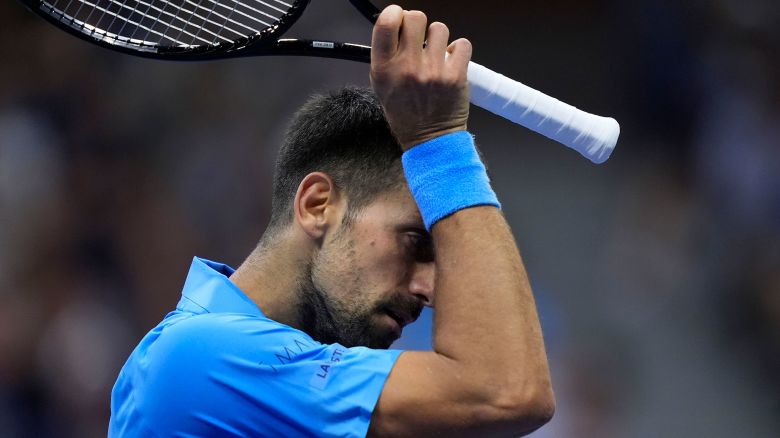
(657, 274)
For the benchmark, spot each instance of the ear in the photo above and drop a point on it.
(317, 204)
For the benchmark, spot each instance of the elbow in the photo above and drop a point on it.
(542, 408)
(527, 409)
(535, 411)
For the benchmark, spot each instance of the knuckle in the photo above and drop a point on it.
(446, 80)
(426, 79)
(410, 76)
(387, 21)
(417, 15)
(463, 43)
(390, 14)
(379, 72)
(456, 80)
(385, 25)
(439, 26)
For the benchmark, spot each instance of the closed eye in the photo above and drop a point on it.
(420, 246)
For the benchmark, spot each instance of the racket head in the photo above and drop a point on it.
(174, 29)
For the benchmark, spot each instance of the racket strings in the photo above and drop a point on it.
(150, 24)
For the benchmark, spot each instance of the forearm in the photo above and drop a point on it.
(486, 319)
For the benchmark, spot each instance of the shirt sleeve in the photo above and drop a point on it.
(239, 375)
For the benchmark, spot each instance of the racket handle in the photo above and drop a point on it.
(592, 136)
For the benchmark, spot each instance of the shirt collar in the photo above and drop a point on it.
(209, 290)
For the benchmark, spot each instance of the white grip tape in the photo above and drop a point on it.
(592, 136)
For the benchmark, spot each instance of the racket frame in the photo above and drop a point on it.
(263, 43)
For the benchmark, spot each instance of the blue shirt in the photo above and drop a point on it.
(216, 366)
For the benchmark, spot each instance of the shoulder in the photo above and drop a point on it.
(208, 335)
(210, 325)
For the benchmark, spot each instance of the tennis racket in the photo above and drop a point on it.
(192, 30)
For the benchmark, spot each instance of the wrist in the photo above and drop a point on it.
(445, 175)
(423, 136)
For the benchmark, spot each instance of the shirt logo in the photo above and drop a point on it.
(324, 369)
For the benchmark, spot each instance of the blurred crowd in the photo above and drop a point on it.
(657, 274)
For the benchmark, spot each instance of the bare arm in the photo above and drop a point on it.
(487, 373)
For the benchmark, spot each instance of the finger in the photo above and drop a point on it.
(413, 31)
(384, 40)
(438, 35)
(459, 55)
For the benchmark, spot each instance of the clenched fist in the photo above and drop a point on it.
(421, 84)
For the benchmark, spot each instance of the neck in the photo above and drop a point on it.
(270, 277)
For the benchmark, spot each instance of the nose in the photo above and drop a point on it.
(422, 282)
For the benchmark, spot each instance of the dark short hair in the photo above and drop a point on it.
(345, 135)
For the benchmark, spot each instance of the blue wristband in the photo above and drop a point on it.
(446, 175)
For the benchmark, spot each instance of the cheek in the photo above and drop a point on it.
(384, 261)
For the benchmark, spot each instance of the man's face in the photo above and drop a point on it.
(370, 277)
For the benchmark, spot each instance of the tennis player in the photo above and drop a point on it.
(381, 206)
